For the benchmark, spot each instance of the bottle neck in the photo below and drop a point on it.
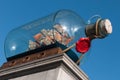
(100, 29)
(90, 31)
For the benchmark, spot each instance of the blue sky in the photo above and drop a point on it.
(103, 63)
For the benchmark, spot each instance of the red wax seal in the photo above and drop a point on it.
(83, 45)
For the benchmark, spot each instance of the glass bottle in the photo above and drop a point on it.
(64, 27)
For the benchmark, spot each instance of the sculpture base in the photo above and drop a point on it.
(54, 67)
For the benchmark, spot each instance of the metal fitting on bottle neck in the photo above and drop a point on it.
(100, 29)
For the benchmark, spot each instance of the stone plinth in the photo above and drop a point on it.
(55, 67)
